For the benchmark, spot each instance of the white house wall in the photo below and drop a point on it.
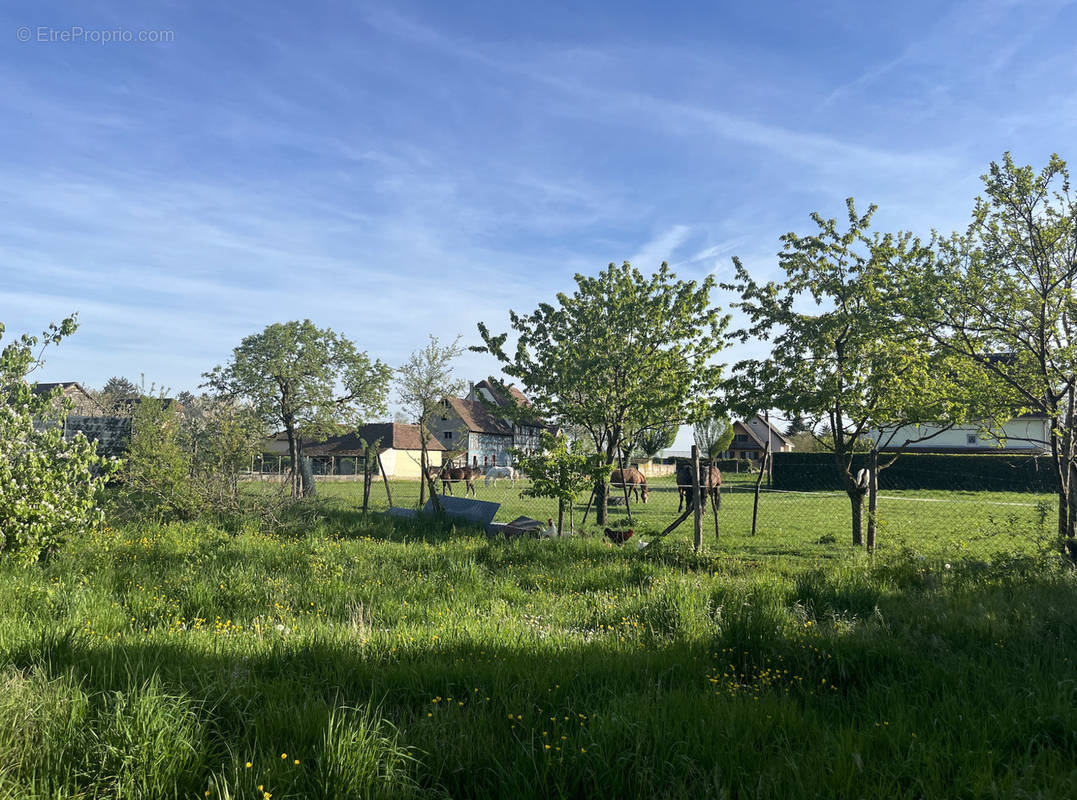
(1018, 434)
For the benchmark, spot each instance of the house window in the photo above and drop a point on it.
(448, 435)
(485, 460)
(476, 461)
(971, 438)
(740, 438)
(494, 459)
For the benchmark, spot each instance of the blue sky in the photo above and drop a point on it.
(394, 170)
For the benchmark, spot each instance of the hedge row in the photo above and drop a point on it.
(806, 472)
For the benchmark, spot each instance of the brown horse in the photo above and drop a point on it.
(635, 480)
(710, 483)
(449, 475)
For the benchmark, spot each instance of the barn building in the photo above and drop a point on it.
(473, 432)
(399, 448)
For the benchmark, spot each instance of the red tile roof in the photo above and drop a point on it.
(395, 435)
(478, 418)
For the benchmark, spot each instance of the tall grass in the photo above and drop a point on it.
(359, 659)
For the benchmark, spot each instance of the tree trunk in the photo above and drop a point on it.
(424, 469)
(293, 454)
(560, 516)
(602, 492)
(426, 478)
(306, 473)
(873, 496)
(624, 485)
(856, 499)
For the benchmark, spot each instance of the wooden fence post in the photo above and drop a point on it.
(715, 493)
(385, 478)
(698, 499)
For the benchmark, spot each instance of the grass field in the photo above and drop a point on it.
(797, 524)
(359, 659)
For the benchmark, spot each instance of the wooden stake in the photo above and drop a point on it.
(758, 484)
(715, 492)
(385, 478)
(698, 499)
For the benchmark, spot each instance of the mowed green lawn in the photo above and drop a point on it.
(358, 658)
(793, 524)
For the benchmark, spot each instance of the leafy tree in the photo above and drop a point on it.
(1001, 296)
(798, 424)
(561, 471)
(807, 442)
(623, 352)
(421, 384)
(49, 487)
(117, 390)
(308, 379)
(650, 441)
(222, 438)
(155, 478)
(713, 435)
(852, 361)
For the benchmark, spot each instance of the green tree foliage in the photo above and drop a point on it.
(222, 438)
(843, 355)
(49, 486)
(650, 441)
(118, 390)
(1002, 296)
(798, 424)
(155, 479)
(623, 352)
(421, 384)
(561, 471)
(185, 460)
(713, 435)
(312, 381)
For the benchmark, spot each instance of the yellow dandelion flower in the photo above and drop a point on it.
(283, 756)
(249, 765)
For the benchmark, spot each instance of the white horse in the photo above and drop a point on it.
(501, 472)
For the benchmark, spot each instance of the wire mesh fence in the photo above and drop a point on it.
(982, 523)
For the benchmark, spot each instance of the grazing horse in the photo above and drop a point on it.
(501, 472)
(449, 475)
(710, 483)
(633, 479)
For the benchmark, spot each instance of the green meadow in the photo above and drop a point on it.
(353, 657)
(789, 524)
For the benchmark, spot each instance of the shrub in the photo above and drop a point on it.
(49, 485)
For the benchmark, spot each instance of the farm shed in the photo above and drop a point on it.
(1029, 433)
(88, 417)
(399, 448)
(82, 402)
